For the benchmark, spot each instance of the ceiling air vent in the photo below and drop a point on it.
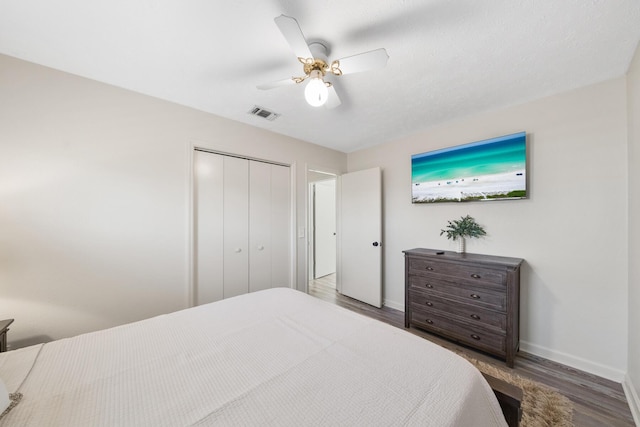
(265, 114)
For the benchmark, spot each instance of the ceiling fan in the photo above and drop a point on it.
(316, 66)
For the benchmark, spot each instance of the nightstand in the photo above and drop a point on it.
(4, 327)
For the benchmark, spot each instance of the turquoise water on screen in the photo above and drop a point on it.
(497, 155)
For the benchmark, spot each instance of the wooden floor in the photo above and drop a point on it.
(597, 401)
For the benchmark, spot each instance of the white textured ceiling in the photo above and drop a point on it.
(447, 58)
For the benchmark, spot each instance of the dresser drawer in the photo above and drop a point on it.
(476, 295)
(473, 314)
(467, 273)
(476, 337)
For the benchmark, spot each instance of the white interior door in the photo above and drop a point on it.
(280, 226)
(236, 226)
(325, 228)
(360, 231)
(242, 226)
(209, 225)
(269, 226)
(259, 226)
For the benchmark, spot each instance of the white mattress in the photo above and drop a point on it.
(271, 358)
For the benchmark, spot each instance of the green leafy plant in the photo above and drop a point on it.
(466, 226)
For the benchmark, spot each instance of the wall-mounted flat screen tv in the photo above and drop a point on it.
(493, 169)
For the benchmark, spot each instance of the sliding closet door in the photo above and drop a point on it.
(208, 227)
(242, 226)
(260, 226)
(280, 226)
(236, 226)
(269, 226)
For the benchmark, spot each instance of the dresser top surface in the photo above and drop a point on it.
(455, 256)
(4, 324)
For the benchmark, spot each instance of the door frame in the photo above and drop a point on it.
(191, 147)
(312, 231)
(307, 247)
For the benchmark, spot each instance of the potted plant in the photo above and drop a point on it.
(459, 229)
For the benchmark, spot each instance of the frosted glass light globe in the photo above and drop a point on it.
(316, 92)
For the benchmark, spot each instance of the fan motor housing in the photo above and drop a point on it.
(316, 65)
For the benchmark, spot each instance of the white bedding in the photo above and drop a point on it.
(277, 358)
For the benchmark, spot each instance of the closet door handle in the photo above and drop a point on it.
(238, 250)
(260, 248)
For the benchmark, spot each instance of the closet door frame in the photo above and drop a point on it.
(194, 146)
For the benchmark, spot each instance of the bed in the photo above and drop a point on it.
(272, 358)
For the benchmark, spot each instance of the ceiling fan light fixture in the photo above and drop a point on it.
(313, 57)
(316, 91)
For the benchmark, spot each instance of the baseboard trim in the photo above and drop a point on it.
(565, 359)
(394, 305)
(575, 362)
(632, 397)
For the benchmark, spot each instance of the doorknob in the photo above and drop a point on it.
(376, 244)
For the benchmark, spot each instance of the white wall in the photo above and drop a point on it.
(633, 96)
(94, 199)
(572, 231)
(94, 202)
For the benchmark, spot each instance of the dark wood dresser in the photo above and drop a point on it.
(4, 328)
(469, 298)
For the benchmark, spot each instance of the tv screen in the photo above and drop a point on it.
(493, 169)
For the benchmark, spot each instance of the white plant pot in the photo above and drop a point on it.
(461, 245)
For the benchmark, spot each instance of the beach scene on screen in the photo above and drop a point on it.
(485, 170)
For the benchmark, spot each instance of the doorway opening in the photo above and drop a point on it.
(322, 230)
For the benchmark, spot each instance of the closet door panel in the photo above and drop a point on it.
(260, 241)
(208, 169)
(280, 226)
(236, 230)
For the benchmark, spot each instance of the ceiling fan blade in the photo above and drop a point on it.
(273, 85)
(293, 34)
(333, 100)
(366, 61)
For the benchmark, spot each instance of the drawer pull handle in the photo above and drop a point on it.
(475, 276)
(429, 285)
(429, 321)
(475, 337)
(475, 296)
(475, 316)
(430, 268)
(429, 304)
